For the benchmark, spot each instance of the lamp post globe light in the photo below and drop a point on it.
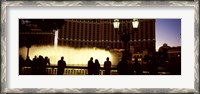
(135, 23)
(116, 23)
(125, 35)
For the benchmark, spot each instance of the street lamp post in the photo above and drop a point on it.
(125, 35)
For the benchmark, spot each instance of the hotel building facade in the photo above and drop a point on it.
(100, 33)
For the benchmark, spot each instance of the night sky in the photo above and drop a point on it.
(168, 31)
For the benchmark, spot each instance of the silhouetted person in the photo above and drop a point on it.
(175, 66)
(34, 67)
(122, 67)
(107, 66)
(90, 66)
(43, 65)
(153, 66)
(178, 65)
(96, 67)
(28, 61)
(40, 65)
(21, 64)
(47, 61)
(61, 66)
(130, 68)
(137, 67)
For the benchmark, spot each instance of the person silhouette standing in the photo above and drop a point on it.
(90, 66)
(153, 66)
(61, 66)
(47, 61)
(122, 67)
(137, 67)
(34, 66)
(28, 61)
(96, 67)
(21, 64)
(107, 66)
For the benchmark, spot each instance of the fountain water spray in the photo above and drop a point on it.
(72, 56)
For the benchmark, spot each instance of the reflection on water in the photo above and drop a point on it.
(72, 56)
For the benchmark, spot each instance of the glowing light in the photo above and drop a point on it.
(135, 23)
(139, 59)
(72, 56)
(116, 23)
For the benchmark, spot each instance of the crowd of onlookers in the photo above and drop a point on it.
(38, 66)
(94, 67)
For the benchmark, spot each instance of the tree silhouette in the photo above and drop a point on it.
(46, 25)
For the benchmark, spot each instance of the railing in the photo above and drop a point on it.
(80, 70)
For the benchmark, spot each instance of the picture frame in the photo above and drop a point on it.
(81, 89)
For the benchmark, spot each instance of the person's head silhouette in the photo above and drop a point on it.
(91, 58)
(62, 58)
(107, 58)
(96, 61)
